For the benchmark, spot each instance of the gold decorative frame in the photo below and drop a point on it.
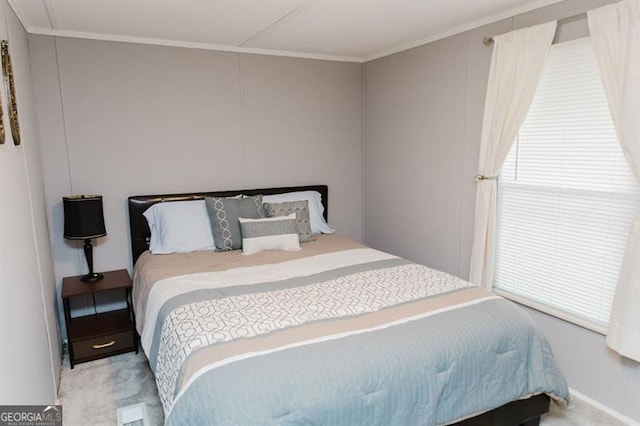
(10, 90)
(1, 122)
(2, 138)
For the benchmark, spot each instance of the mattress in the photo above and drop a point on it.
(336, 333)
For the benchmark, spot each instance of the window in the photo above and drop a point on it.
(566, 196)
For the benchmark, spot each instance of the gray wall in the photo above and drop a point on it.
(30, 355)
(422, 124)
(120, 119)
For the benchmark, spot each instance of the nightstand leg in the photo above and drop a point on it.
(67, 319)
(132, 314)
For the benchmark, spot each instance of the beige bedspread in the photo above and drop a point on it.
(151, 268)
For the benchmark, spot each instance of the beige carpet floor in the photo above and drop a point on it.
(91, 393)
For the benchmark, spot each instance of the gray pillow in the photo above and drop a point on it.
(300, 208)
(271, 233)
(224, 214)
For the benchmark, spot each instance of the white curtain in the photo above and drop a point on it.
(615, 33)
(516, 65)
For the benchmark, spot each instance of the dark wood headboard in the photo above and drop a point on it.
(139, 228)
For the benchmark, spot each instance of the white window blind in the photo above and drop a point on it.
(566, 195)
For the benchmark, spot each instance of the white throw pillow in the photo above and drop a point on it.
(316, 209)
(271, 233)
(179, 227)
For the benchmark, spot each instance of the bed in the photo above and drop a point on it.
(335, 333)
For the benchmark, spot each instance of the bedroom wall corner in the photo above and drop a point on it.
(320, 102)
(411, 159)
(31, 358)
(53, 146)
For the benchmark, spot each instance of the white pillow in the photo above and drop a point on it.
(271, 233)
(179, 227)
(316, 209)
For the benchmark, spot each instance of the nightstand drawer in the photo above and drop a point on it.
(102, 345)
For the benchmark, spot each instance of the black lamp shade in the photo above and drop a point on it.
(83, 217)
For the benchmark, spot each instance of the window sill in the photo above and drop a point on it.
(549, 310)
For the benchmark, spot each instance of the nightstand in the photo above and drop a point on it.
(105, 333)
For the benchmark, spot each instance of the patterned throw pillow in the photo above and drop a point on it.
(224, 214)
(301, 210)
(272, 233)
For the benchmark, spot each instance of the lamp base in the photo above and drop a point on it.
(91, 277)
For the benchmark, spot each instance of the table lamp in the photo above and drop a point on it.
(84, 220)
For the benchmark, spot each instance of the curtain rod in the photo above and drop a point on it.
(488, 41)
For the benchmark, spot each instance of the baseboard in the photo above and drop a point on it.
(600, 406)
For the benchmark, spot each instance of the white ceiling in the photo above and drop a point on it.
(347, 30)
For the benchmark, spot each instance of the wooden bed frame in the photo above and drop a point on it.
(524, 412)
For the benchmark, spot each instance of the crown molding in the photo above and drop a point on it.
(463, 28)
(188, 44)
